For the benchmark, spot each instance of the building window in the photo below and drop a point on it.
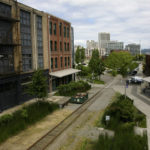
(65, 46)
(51, 45)
(65, 61)
(39, 41)
(26, 45)
(61, 61)
(60, 46)
(55, 45)
(68, 46)
(64, 31)
(60, 29)
(51, 63)
(67, 32)
(56, 62)
(68, 61)
(54, 28)
(50, 28)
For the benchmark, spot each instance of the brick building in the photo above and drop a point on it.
(60, 52)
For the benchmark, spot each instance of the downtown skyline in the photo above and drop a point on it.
(127, 21)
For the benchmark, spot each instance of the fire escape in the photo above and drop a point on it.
(8, 27)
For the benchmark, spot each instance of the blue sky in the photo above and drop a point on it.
(126, 20)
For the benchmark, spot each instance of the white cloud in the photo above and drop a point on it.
(126, 20)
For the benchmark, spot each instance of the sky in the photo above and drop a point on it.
(126, 20)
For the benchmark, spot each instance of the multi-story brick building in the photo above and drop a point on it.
(60, 52)
(31, 39)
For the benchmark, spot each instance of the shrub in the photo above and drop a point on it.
(122, 111)
(73, 87)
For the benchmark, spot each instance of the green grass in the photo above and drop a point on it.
(11, 124)
(98, 82)
(121, 141)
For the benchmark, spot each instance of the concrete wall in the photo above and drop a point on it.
(17, 39)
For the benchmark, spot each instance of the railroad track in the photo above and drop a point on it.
(50, 137)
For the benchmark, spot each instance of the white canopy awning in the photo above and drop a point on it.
(65, 72)
(147, 79)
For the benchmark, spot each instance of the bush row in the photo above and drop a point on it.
(11, 124)
(73, 87)
(123, 114)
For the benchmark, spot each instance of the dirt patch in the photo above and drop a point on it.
(27, 137)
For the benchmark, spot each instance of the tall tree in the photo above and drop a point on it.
(121, 62)
(38, 86)
(96, 64)
(80, 55)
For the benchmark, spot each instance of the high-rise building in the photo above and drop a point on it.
(106, 45)
(90, 46)
(113, 45)
(103, 39)
(133, 48)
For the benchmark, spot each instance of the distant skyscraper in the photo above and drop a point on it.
(103, 39)
(114, 45)
(90, 46)
(105, 45)
(133, 48)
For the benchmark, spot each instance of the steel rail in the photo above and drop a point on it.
(50, 137)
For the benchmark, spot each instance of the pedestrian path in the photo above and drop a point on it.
(140, 101)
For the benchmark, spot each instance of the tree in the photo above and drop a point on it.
(96, 64)
(121, 62)
(80, 55)
(38, 86)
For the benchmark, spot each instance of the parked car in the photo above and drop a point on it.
(135, 79)
(134, 72)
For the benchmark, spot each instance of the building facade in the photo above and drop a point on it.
(31, 39)
(23, 49)
(105, 45)
(103, 39)
(60, 54)
(72, 47)
(113, 45)
(90, 46)
(134, 49)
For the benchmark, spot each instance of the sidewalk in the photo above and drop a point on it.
(140, 101)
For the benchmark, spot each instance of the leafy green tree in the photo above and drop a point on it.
(80, 55)
(38, 86)
(84, 70)
(96, 64)
(121, 62)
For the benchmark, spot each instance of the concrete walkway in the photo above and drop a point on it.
(140, 101)
(50, 98)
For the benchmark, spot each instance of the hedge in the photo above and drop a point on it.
(73, 87)
(11, 124)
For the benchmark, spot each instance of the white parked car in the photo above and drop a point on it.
(135, 79)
